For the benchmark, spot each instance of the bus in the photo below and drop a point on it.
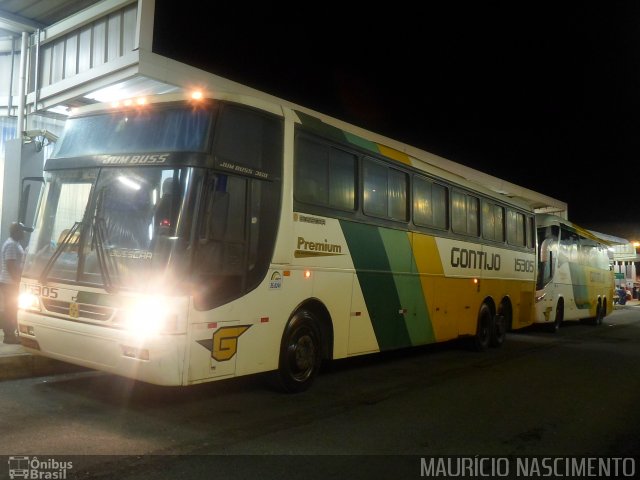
(184, 239)
(575, 274)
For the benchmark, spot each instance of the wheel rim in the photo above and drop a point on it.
(302, 355)
(484, 328)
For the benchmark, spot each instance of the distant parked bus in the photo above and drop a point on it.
(575, 276)
(184, 240)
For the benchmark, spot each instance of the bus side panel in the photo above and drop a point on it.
(562, 287)
(362, 338)
(334, 290)
(399, 248)
(608, 289)
(589, 284)
(377, 282)
(582, 290)
(477, 272)
(509, 275)
(243, 336)
(208, 333)
(321, 249)
(392, 291)
(441, 292)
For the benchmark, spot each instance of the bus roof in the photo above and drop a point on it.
(547, 219)
(179, 77)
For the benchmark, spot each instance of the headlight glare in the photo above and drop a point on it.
(28, 301)
(148, 316)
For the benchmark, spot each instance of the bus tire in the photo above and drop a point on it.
(300, 353)
(484, 329)
(499, 331)
(599, 314)
(555, 326)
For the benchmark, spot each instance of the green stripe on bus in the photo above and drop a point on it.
(362, 142)
(408, 286)
(318, 126)
(378, 286)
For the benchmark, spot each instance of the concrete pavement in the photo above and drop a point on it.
(16, 362)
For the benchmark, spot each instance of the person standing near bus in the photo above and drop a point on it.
(12, 262)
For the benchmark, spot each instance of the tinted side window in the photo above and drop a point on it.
(464, 213)
(385, 191)
(492, 221)
(248, 138)
(516, 228)
(324, 175)
(430, 204)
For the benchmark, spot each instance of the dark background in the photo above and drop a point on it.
(544, 95)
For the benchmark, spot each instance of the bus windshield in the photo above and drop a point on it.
(157, 130)
(119, 228)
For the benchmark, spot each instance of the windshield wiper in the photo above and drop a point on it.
(105, 262)
(71, 234)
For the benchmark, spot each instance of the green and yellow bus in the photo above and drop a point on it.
(575, 274)
(184, 239)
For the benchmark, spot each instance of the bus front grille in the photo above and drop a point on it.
(78, 310)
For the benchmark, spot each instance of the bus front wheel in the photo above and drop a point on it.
(555, 326)
(300, 353)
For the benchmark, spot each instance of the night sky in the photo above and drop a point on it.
(544, 94)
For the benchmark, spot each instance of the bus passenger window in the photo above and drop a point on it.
(385, 191)
(464, 214)
(324, 175)
(492, 221)
(516, 228)
(430, 204)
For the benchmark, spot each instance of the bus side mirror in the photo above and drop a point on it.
(30, 193)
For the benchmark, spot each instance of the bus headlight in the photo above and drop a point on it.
(28, 301)
(150, 315)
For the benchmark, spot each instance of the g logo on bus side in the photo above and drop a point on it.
(224, 343)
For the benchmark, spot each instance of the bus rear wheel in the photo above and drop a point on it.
(300, 353)
(484, 330)
(600, 313)
(499, 331)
